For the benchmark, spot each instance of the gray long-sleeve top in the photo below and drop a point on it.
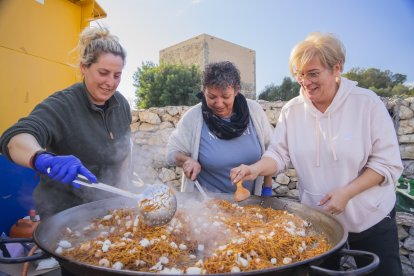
(68, 123)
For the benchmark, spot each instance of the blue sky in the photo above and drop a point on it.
(376, 33)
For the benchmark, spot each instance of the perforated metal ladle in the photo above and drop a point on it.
(157, 203)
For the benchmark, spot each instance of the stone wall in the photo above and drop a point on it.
(152, 127)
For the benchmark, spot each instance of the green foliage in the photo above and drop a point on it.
(166, 84)
(286, 91)
(384, 83)
(382, 92)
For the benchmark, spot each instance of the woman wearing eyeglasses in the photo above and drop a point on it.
(342, 142)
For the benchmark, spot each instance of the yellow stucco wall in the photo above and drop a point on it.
(36, 39)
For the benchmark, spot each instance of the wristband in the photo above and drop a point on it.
(267, 191)
(34, 157)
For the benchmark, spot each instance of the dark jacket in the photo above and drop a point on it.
(68, 123)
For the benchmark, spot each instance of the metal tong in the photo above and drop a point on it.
(157, 203)
(201, 190)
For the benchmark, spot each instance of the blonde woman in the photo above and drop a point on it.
(342, 143)
(83, 129)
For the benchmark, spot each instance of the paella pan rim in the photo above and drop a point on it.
(46, 235)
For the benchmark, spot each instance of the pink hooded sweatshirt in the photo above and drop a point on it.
(331, 149)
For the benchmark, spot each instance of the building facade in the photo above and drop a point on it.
(205, 48)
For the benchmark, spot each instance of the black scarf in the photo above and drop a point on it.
(222, 128)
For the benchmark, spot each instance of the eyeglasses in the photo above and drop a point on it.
(311, 76)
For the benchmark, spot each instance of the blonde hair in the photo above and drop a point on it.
(327, 47)
(94, 41)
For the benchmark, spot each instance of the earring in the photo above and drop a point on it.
(338, 79)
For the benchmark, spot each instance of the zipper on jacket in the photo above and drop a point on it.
(111, 135)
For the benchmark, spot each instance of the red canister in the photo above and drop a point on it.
(25, 227)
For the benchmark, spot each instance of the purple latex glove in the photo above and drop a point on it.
(63, 168)
(266, 191)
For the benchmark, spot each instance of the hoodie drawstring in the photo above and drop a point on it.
(330, 136)
(318, 130)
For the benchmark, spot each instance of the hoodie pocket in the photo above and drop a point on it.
(311, 198)
(371, 199)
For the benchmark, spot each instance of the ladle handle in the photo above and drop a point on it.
(201, 190)
(80, 179)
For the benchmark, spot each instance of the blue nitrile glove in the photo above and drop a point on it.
(266, 191)
(63, 168)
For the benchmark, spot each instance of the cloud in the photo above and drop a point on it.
(180, 12)
(195, 2)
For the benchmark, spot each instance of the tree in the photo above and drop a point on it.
(373, 77)
(286, 91)
(384, 83)
(398, 79)
(400, 89)
(166, 84)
